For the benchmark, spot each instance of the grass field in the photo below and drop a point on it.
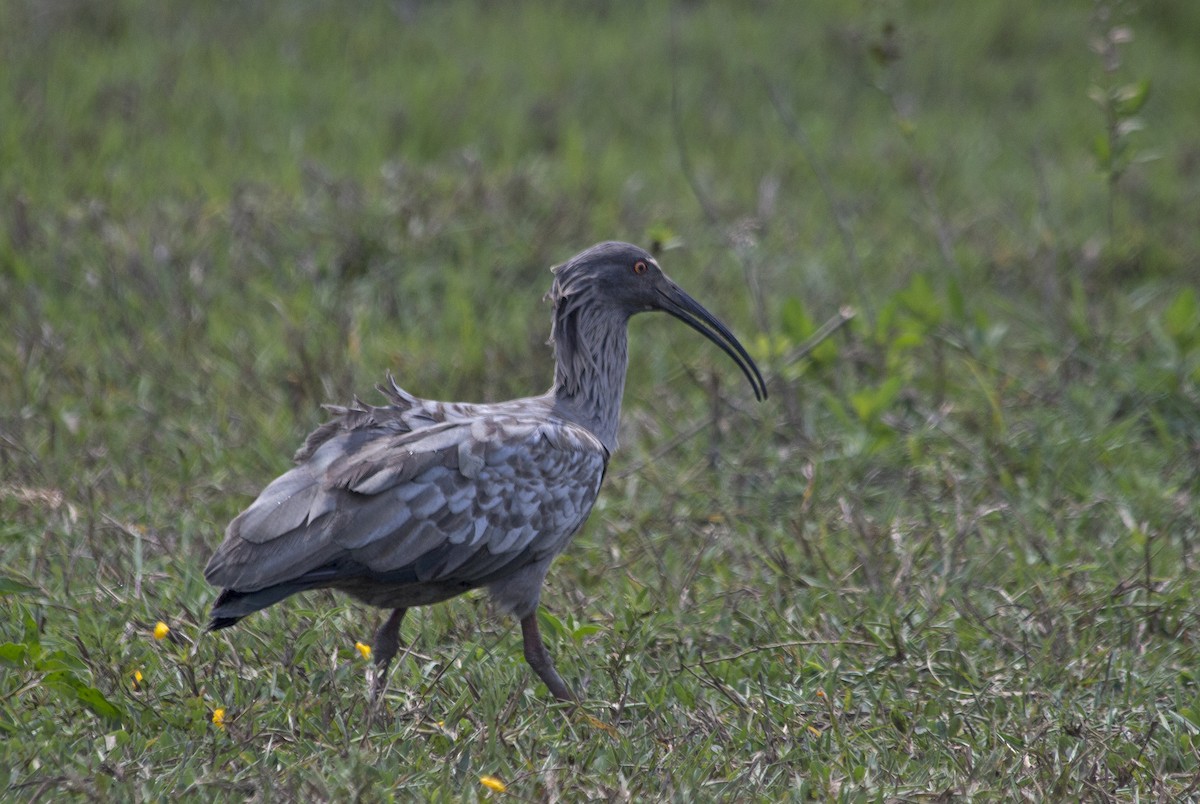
(953, 556)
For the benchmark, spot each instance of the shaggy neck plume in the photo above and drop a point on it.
(591, 355)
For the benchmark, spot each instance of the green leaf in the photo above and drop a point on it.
(684, 694)
(1102, 151)
(869, 404)
(60, 660)
(909, 338)
(1129, 99)
(921, 301)
(883, 323)
(551, 623)
(585, 630)
(33, 637)
(825, 352)
(797, 324)
(68, 683)
(15, 653)
(11, 586)
(1181, 320)
(955, 299)
(94, 699)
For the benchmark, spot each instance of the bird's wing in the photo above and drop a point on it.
(404, 414)
(457, 501)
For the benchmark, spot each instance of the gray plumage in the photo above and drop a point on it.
(417, 501)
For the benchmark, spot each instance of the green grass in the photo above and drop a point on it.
(953, 556)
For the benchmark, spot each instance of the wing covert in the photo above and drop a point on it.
(449, 503)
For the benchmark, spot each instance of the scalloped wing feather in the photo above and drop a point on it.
(455, 502)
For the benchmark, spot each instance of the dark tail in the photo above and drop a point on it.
(232, 605)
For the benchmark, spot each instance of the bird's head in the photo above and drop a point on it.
(619, 280)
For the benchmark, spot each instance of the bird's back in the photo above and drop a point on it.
(412, 503)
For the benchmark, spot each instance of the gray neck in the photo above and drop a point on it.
(591, 355)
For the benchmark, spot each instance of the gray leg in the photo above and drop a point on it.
(387, 642)
(540, 661)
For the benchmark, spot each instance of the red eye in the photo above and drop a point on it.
(639, 267)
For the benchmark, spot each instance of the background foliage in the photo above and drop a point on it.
(954, 555)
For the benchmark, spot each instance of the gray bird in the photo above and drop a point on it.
(417, 501)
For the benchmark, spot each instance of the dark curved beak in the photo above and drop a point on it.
(672, 299)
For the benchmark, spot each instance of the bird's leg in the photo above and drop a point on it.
(539, 659)
(387, 642)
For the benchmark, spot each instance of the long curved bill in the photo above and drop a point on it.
(692, 313)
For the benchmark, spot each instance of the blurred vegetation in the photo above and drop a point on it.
(953, 556)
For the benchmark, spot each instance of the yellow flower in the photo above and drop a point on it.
(218, 718)
(364, 649)
(161, 630)
(492, 783)
(137, 679)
